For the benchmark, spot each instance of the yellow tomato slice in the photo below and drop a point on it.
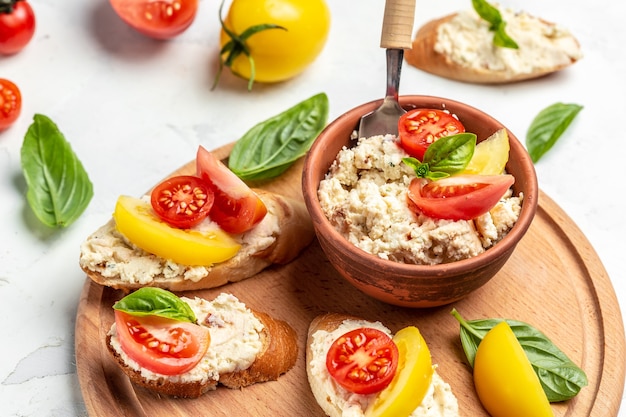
(490, 156)
(412, 379)
(136, 220)
(504, 378)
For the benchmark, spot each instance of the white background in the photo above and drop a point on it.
(135, 109)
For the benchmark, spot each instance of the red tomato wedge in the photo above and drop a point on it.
(182, 201)
(162, 345)
(363, 361)
(460, 197)
(419, 128)
(159, 19)
(236, 208)
(10, 103)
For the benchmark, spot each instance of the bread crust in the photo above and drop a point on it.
(327, 322)
(278, 355)
(423, 56)
(295, 232)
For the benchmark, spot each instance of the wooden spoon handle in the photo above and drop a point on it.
(398, 24)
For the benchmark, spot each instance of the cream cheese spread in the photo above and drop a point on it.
(364, 195)
(235, 340)
(109, 253)
(438, 402)
(467, 40)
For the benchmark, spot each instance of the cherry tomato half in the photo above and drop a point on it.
(236, 208)
(159, 19)
(419, 128)
(10, 103)
(162, 345)
(182, 201)
(459, 197)
(363, 361)
(17, 26)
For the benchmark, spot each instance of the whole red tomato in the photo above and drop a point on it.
(17, 25)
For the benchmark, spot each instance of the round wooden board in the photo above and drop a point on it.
(554, 281)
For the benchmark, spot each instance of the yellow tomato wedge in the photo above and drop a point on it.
(136, 220)
(412, 379)
(490, 155)
(504, 378)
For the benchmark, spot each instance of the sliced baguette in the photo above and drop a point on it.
(425, 56)
(107, 258)
(439, 401)
(277, 356)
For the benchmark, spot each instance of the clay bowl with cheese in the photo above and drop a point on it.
(411, 284)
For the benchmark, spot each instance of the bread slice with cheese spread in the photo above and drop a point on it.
(460, 47)
(247, 347)
(109, 259)
(336, 401)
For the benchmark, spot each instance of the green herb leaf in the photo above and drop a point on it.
(492, 15)
(548, 126)
(59, 189)
(560, 378)
(444, 157)
(272, 146)
(151, 301)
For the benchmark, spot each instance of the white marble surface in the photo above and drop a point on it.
(135, 109)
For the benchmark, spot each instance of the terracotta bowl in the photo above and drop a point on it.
(411, 285)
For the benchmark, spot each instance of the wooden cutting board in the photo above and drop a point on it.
(554, 281)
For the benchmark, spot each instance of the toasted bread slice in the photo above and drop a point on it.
(440, 47)
(110, 260)
(334, 400)
(277, 354)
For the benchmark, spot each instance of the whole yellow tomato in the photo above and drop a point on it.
(273, 40)
(504, 378)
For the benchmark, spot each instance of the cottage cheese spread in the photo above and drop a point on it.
(109, 253)
(364, 197)
(467, 40)
(235, 340)
(438, 402)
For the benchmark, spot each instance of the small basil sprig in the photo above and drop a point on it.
(548, 126)
(560, 378)
(497, 25)
(444, 157)
(272, 146)
(59, 189)
(151, 301)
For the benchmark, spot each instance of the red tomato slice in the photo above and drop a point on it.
(160, 19)
(460, 197)
(419, 128)
(236, 208)
(17, 26)
(363, 361)
(10, 103)
(182, 201)
(162, 345)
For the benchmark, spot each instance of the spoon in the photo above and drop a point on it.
(396, 36)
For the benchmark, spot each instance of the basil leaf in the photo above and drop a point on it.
(492, 15)
(272, 146)
(548, 126)
(444, 157)
(59, 189)
(451, 154)
(560, 378)
(152, 301)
